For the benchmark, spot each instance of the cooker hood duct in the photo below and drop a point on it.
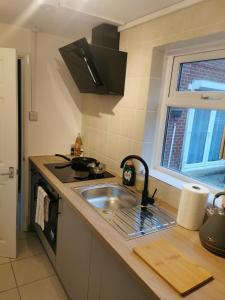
(99, 67)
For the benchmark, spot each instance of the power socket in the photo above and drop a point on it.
(33, 116)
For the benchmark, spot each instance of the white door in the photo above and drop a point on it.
(8, 152)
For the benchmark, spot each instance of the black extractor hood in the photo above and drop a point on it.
(99, 67)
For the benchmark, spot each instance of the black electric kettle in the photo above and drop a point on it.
(212, 232)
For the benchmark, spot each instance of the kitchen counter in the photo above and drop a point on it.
(184, 240)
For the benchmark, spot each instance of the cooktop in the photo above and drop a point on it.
(67, 175)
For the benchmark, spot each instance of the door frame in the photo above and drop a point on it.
(26, 107)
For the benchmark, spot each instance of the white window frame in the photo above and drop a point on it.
(196, 99)
(188, 99)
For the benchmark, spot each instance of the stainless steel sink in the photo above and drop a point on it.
(122, 209)
(111, 197)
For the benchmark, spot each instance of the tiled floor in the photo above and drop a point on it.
(30, 276)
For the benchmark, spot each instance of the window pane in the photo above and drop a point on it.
(198, 137)
(192, 144)
(207, 75)
(217, 136)
(174, 137)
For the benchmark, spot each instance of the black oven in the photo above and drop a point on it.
(50, 228)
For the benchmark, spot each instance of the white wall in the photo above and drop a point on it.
(15, 37)
(55, 98)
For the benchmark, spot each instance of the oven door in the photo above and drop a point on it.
(50, 230)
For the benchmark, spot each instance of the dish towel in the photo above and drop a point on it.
(40, 215)
(46, 207)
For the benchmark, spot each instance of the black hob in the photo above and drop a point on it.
(67, 175)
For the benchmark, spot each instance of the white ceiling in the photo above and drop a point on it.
(72, 18)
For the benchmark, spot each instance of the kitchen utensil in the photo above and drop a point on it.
(178, 270)
(97, 168)
(212, 232)
(78, 163)
(84, 166)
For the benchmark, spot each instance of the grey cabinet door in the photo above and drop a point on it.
(110, 279)
(73, 252)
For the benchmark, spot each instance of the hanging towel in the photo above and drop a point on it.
(46, 208)
(40, 215)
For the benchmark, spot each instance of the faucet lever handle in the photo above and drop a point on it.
(153, 195)
(151, 199)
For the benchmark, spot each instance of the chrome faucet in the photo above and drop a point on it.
(145, 198)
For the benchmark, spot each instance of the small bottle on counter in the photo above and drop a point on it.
(78, 145)
(129, 173)
(72, 149)
(139, 182)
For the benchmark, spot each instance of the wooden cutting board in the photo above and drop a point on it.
(179, 271)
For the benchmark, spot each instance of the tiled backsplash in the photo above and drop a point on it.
(114, 127)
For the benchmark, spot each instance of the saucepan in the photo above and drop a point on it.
(86, 164)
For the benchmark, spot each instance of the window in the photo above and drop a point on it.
(195, 118)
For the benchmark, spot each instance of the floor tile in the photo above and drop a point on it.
(33, 268)
(10, 295)
(4, 260)
(47, 289)
(29, 247)
(7, 280)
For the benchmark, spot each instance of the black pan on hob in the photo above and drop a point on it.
(77, 163)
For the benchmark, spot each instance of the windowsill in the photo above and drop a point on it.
(173, 181)
(178, 183)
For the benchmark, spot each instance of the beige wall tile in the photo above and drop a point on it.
(10, 295)
(112, 165)
(157, 63)
(150, 126)
(142, 90)
(147, 152)
(139, 125)
(137, 148)
(100, 142)
(130, 95)
(126, 147)
(7, 280)
(154, 94)
(47, 289)
(139, 60)
(127, 123)
(115, 121)
(113, 145)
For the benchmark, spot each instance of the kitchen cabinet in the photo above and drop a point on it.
(87, 267)
(73, 252)
(109, 279)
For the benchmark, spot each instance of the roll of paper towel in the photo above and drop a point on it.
(192, 206)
